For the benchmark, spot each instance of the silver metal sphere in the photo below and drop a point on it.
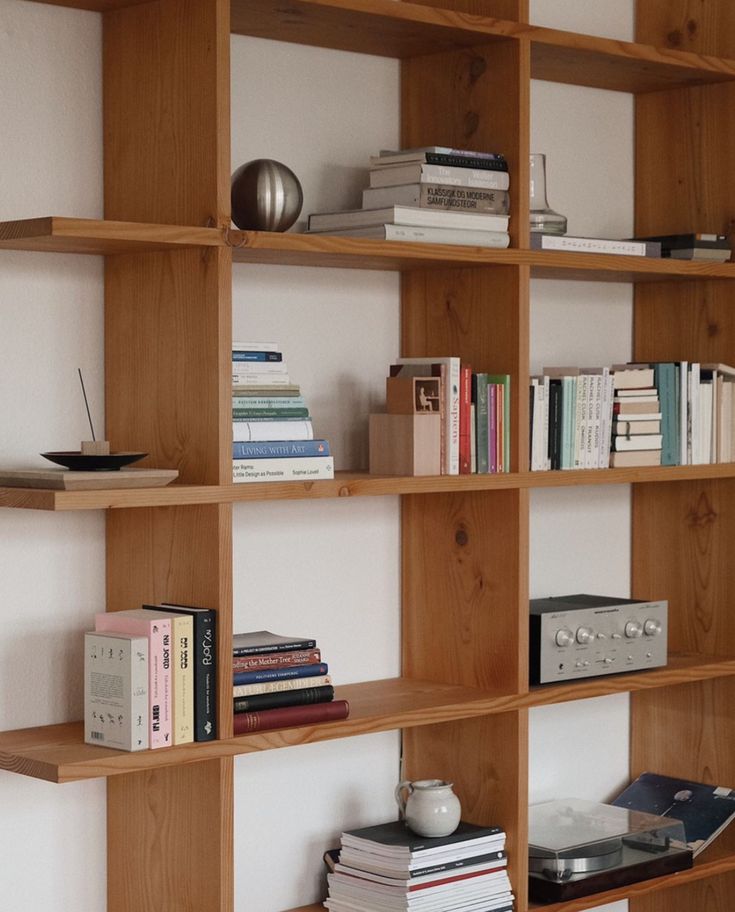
(266, 196)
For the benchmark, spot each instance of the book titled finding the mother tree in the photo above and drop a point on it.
(705, 810)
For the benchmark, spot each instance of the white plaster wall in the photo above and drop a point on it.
(337, 570)
(52, 839)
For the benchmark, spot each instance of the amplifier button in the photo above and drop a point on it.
(652, 627)
(585, 635)
(564, 637)
(633, 629)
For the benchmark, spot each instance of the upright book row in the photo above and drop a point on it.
(150, 677)
(664, 413)
(441, 419)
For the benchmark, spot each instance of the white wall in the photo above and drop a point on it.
(299, 799)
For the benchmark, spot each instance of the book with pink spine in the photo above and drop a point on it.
(156, 625)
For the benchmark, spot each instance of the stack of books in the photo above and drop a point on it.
(150, 676)
(280, 681)
(442, 419)
(273, 435)
(713, 248)
(388, 867)
(636, 439)
(432, 194)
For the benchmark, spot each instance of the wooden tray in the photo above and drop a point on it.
(64, 480)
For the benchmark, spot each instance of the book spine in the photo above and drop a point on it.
(492, 427)
(257, 356)
(275, 660)
(182, 660)
(259, 650)
(289, 716)
(465, 405)
(256, 346)
(289, 685)
(453, 160)
(481, 422)
(307, 696)
(116, 706)
(256, 403)
(263, 675)
(296, 468)
(261, 379)
(278, 449)
(248, 414)
(465, 177)
(438, 196)
(248, 367)
(260, 429)
(431, 234)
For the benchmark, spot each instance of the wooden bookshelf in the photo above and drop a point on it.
(465, 541)
(349, 484)
(58, 753)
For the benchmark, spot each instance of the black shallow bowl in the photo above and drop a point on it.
(81, 462)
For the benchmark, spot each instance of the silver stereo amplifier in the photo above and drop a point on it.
(582, 636)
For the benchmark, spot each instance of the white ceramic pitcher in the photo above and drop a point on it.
(430, 808)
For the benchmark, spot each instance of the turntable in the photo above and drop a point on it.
(580, 847)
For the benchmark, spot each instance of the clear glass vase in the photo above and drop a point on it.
(543, 219)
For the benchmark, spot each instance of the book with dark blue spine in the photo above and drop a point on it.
(205, 667)
(269, 449)
(279, 674)
(256, 356)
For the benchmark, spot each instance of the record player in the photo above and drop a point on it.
(579, 847)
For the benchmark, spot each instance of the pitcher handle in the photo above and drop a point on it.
(400, 800)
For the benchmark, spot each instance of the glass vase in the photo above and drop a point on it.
(543, 219)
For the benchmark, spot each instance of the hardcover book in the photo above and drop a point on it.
(284, 685)
(464, 237)
(282, 698)
(595, 245)
(280, 468)
(394, 839)
(289, 716)
(418, 172)
(156, 626)
(437, 196)
(205, 667)
(182, 660)
(276, 660)
(262, 675)
(116, 707)
(263, 642)
(407, 215)
(705, 810)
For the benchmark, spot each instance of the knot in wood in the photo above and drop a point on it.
(461, 537)
(712, 329)
(471, 123)
(674, 38)
(703, 514)
(692, 27)
(478, 66)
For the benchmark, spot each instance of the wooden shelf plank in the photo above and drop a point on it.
(405, 30)
(364, 253)
(57, 753)
(97, 236)
(348, 484)
(717, 859)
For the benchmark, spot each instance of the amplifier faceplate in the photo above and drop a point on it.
(582, 636)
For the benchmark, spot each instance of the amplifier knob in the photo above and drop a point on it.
(652, 627)
(633, 629)
(585, 635)
(564, 637)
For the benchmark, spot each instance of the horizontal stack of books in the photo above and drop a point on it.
(441, 419)
(713, 248)
(280, 681)
(273, 435)
(636, 438)
(662, 413)
(433, 194)
(388, 867)
(150, 677)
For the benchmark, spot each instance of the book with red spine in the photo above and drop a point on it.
(276, 660)
(290, 716)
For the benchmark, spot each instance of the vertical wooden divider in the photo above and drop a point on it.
(168, 341)
(683, 533)
(465, 555)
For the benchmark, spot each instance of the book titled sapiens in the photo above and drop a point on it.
(705, 810)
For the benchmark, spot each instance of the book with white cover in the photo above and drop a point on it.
(638, 442)
(439, 174)
(116, 707)
(407, 215)
(437, 196)
(594, 245)
(631, 458)
(287, 468)
(276, 429)
(428, 235)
